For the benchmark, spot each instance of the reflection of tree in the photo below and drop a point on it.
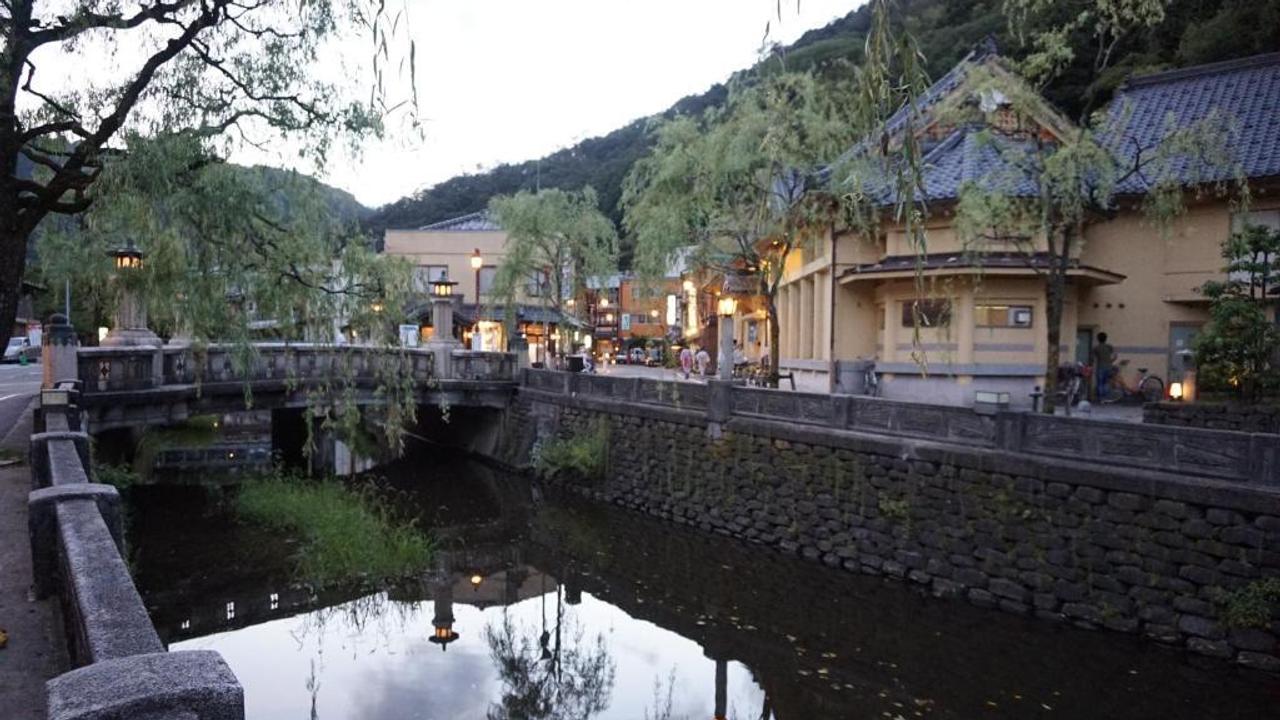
(574, 683)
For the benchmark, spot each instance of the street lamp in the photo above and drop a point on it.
(477, 262)
(726, 306)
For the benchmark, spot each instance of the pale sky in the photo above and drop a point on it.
(513, 80)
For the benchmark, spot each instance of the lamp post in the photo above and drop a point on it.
(477, 262)
(725, 308)
(130, 327)
(442, 343)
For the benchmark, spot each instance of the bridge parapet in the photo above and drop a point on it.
(111, 369)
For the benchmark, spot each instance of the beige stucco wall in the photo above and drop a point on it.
(451, 248)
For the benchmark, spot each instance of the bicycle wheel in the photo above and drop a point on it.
(1151, 388)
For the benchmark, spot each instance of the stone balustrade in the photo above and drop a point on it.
(1252, 458)
(107, 369)
(77, 548)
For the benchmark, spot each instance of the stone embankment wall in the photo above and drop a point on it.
(1216, 416)
(1170, 557)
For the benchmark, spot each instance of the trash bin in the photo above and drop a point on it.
(575, 363)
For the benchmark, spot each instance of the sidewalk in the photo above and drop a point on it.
(36, 650)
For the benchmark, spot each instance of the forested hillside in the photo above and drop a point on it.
(1195, 31)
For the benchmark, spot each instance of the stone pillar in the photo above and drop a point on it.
(58, 351)
(130, 326)
(724, 364)
(442, 343)
(807, 319)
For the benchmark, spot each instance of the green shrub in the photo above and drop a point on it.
(347, 534)
(582, 455)
(121, 477)
(1251, 606)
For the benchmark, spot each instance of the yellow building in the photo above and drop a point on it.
(468, 251)
(952, 320)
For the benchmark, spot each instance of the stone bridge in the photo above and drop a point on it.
(136, 386)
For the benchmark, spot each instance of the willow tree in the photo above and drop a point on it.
(233, 71)
(742, 185)
(237, 254)
(1052, 185)
(556, 241)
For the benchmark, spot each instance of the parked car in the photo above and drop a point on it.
(19, 348)
(636, 356)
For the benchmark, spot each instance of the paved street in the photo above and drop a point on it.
(35, 649)
(17, 386)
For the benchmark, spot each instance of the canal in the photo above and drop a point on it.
(540, 606)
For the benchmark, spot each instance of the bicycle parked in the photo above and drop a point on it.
(1148, 388)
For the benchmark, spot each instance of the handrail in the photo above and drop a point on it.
(77, 548)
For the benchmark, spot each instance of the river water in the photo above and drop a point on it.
(554, 608)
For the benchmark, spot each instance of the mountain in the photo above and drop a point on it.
(1193, 32)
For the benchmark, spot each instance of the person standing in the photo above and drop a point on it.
(686, 361)
(703, 360)
(1104, 360)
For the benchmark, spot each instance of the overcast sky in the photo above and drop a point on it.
(512, 80)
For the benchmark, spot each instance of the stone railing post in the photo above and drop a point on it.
(1009, 429)
(720, 404)
(58, 351)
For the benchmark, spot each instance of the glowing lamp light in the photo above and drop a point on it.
(476, 580)
(688, 286)
(376, 307)
(1175, 391)
(604, 302)
(477, 260)
(443, 635)
(442, 287)
(727, 306)
(127, 258)
(102, 333)
(653, 314)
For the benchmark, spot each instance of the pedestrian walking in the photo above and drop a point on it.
(686, 361)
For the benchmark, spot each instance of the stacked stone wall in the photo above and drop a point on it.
(1167, 557)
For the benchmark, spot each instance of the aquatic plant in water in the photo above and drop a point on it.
(347, 534)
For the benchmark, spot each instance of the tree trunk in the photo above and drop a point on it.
(1053, 314)
(13, 255)
(775, 354)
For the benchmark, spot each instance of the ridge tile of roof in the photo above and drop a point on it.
(472, 222)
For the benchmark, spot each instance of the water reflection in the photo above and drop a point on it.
(569, 610)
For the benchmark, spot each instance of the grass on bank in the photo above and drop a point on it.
(347, 534)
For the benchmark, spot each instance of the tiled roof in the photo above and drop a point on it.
(1244, 93)
(473, 222)
(968, 156)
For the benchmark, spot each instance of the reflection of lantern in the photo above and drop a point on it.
(443, 620)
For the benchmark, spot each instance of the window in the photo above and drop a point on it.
(931, 313)
(425, 274)
(1002, 316)
(640, 291)
(488, 274)
(539, 283)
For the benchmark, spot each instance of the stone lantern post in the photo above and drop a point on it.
(442, 343)
(130, 326)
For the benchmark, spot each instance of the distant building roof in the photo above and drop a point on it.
(1245, 93)
(480, 221)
